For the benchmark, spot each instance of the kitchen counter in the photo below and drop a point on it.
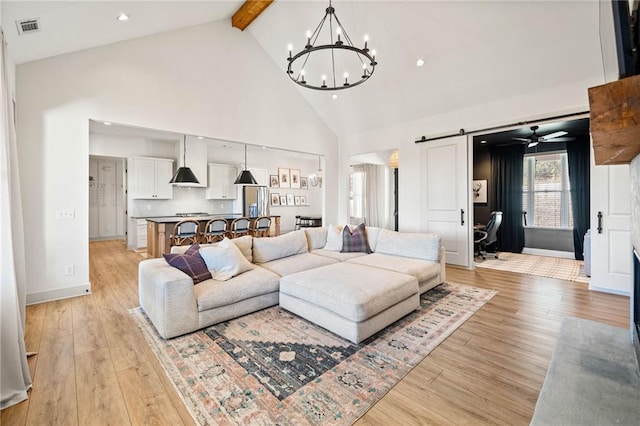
(176, 219)
(159, 229)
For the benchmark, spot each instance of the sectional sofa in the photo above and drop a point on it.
(353, 294)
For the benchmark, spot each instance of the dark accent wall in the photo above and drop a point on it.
(482, 171)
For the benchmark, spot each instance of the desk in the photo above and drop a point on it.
(159, 229)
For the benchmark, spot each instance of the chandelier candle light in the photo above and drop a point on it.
(338, 51)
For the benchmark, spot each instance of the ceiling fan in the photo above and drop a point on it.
(535, 139)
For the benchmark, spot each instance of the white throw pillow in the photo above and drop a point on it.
(225, 260)
(334, 238)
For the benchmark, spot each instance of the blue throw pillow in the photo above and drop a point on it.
(190, 262)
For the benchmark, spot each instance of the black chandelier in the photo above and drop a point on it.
(340, 52)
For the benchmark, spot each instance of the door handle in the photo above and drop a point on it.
(599, 222)
(461, 217)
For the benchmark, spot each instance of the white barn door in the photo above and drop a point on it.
(444, 167)
(611, 244)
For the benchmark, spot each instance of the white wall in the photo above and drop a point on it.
(537, 105)
(208, 80)
(599, 63)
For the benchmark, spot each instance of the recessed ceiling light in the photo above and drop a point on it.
(106, 123)
(483, 141)
(200, 137)
(123, 17)
(264, 147)
(420, 62)
(334, 96)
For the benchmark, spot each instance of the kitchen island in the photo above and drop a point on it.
(159, 229)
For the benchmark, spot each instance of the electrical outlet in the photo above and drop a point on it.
(69, 269)
(65, 214)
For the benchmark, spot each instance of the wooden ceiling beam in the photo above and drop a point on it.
(615, 114)
(249, 11)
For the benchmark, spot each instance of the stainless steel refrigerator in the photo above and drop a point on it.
(255, 201)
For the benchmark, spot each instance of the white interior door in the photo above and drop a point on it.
(610, 233)
(94, 231)
(444, 167)
(107, 215)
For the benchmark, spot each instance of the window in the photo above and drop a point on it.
(546, 193)
(356, 195)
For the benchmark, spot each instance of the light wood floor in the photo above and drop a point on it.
(94, 367)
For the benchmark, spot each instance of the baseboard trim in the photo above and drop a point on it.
(58, 294)
(549, 253)
(610, 291)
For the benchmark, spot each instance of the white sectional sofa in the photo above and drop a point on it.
(352, 294)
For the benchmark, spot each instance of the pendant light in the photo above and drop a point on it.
(316, 178)
(184, 174)
(245, 178)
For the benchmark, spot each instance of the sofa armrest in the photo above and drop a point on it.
(168, 297)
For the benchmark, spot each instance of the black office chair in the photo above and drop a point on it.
(485, 238)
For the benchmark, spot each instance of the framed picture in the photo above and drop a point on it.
(304, 183)
(290, 200)
(283, 200)
(295, 178)
(275, 199)
(296, 200)
(283, 175)
(274, 182)
(303, 200)
(479, 191)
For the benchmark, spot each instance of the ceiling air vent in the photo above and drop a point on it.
(27, 26)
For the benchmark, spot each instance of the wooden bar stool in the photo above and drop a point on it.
(184, 233)
(214, 230)
(239, 227)
(261, 226)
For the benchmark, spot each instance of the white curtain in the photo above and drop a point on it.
(366, 200)
(14, 369)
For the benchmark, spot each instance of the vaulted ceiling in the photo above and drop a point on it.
(475, 52)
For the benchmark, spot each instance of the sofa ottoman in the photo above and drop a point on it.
(352, 301)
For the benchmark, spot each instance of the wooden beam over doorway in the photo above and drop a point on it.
(249, 11)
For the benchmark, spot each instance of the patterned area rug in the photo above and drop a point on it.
(543, 266)
(273, 367)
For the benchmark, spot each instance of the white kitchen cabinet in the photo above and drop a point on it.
(141, 233)
(220, 182)
(150, 177)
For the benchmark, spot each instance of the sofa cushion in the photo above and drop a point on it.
(244, 243)
(355, 240)
(334, 238)
(212, 294)
(225, 260)
(419, 268)
(190, 262)
(337, 255)
(267, 249)
(316, 237)
(354, 292)
(300, 262)
(409, 244)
